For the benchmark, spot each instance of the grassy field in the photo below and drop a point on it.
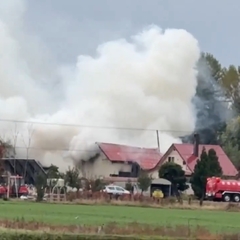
(66, 214)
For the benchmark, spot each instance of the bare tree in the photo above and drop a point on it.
(6, 150)
(27, 144)
(14, 144)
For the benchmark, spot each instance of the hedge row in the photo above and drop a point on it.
(46, 236)
(11, 235)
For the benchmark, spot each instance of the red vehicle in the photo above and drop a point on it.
(13, 186)
(221, 189)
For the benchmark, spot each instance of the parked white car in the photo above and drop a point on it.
(115, 190)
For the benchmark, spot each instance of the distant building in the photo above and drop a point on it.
(27, 168)
(187, 155)
(121, 161)
(117, 160)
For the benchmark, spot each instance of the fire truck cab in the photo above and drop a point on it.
(13, 186)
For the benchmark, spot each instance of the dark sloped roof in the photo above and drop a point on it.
(28, 168)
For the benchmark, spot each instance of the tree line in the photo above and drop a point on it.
(217, 103)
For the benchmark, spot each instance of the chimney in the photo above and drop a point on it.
(196, 144)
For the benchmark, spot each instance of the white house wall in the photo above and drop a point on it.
(154, 173)
(176, 159)
(102, 167)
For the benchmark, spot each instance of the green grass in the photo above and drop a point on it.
(65, 214)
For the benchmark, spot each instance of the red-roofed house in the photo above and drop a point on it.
(121, 160)
(186, 155)
(125, 161)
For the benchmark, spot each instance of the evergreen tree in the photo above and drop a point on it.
(72, 177)
(207, 166)
(214, 166)
(199, 177)
(144, 182)
(41, 183)
(53, 172)
(211, 108)
(174, 173)
(230, 141)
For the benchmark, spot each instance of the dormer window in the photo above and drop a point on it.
(170, 159)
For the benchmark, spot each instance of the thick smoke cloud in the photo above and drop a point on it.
(212, 109)
(146, 83)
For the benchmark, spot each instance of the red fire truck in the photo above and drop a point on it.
(224, 190)
(13, 186)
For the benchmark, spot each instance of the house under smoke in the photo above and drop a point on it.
(116, 161)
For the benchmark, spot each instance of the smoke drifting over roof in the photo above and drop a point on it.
(146, 83)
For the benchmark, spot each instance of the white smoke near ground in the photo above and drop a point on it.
(145, 84)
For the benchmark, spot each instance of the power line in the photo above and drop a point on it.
(90, 126)
(103, 127)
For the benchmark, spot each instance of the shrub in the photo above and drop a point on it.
(5, 198)
(52, 236)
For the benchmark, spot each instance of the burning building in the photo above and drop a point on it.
(116, 160)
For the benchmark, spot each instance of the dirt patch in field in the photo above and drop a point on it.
(181, 231)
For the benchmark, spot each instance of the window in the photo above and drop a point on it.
(184, 163)
(170, 159)
(111, 188)
(119, 189)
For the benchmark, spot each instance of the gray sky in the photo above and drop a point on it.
(73, 27)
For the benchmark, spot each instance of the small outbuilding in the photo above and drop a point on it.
(162, 184)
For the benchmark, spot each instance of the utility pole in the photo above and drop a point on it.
(158, 142)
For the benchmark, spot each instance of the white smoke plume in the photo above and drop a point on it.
(146, 83)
